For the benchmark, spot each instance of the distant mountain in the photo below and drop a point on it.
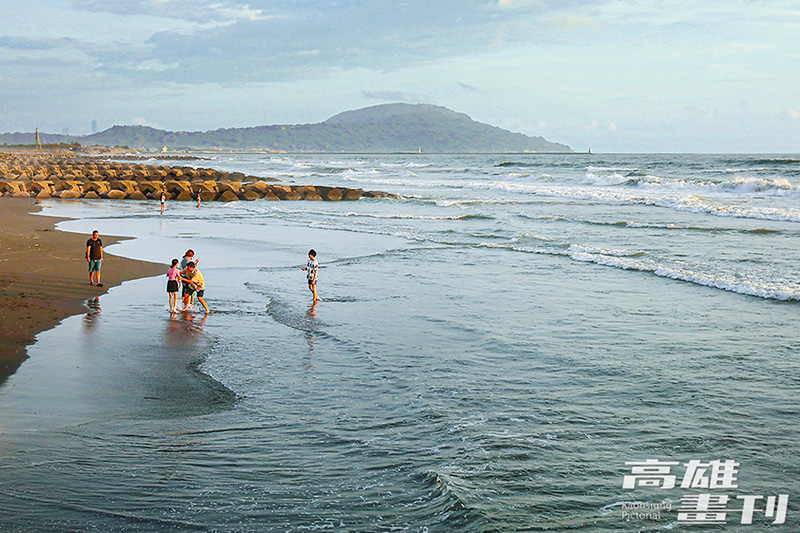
(377, 129)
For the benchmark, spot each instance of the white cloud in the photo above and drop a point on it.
(237, 12)
(391, 96)
(745, 48)
(597, 126)
(154, 65)
(571, 22)
(471, 88)
(785, 12)
(514, 4)
(141, 121)
(204, 11)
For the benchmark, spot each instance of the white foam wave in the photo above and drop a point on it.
(760, 185)
(740, 185)
(410, 164)
(697, 204)
(344, 164)
(389, 181)
(578, 249)
(592, 168)
(380, 216)
(690, 203)
(777, 290)
(730, 170)
(361, 172)
(761, 289)
(604, 180)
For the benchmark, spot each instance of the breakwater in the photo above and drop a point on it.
(68, 175)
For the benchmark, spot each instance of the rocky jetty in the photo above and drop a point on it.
(69, 175)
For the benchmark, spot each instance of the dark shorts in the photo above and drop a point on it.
(188, 291)
(172, 285)
(94, 265)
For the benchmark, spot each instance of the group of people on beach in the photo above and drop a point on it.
(191, 280)
(194, 284)
(163, 200)
(187, 273)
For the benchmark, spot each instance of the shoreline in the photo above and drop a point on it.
(44, 278)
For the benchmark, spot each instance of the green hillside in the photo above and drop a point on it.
(378, 129)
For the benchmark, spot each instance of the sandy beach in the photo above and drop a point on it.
(43, 277)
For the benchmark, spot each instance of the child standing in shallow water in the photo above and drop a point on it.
(193, 279)
(187, 257)
(172, 286)
(311, 269)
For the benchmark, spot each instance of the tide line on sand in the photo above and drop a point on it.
(44, 277)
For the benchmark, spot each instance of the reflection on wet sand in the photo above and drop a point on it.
(184, 329)
(311, 338)
(91, 317)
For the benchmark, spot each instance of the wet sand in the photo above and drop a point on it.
(44, 277)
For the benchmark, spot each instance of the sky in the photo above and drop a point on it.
(610, 75)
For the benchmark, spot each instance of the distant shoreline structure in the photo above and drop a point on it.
(122, 153)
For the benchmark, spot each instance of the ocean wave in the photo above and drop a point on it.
(691, 203)
(358, 172)
(730, 170)
(448, 499)
(412, 217)
(638, 172)
(760, 185)
(776, 161)
(606, 180)
(638, 179)
(392, 181)
(760, 289)
(284, 161)
(506, 164)
(679, 227)
(539, 216)
(381, 216)
(446, 202)
(742, 185)
(627, 260)
(343, 164)
(578, 249)
(594, 168)
(697, 204)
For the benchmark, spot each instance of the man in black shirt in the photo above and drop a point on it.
(94, 256)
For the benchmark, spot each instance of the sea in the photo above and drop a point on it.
(521, 342)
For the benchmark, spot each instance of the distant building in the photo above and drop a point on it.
(94, 126)
(65, 131)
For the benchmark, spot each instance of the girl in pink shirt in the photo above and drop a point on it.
(172, 286)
